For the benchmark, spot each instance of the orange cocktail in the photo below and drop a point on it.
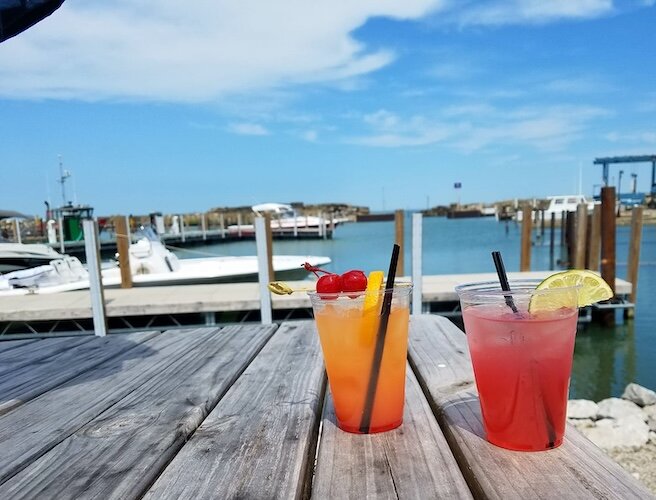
(348, 326)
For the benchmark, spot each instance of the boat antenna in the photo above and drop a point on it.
(63, 175)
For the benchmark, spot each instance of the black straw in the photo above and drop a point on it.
(380, 343)
(503, 279)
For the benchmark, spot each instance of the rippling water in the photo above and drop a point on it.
(605, 359)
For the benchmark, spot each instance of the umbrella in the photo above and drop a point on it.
(18, 15)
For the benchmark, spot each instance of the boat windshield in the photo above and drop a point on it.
(146, 232)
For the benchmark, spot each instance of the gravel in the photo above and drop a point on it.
(639, 463)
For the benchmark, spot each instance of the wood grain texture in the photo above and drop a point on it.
(8, 345)
(439, 355)
(30, 381)
(259, 441)
(32, 429)
(412, 461)
(34, 352)
(121, 452)
(575, 470)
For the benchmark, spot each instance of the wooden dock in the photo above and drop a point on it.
(183, 305)
(244, 411)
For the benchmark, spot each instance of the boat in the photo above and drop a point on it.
(285, 221)
(561, 204)
(61, 274)
(151, 263)
(18, 256)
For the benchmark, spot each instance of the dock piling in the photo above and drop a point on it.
(60, 225)
(417, 236)
(594, 248)
(525, 256)
(269, 245)
(263, 271)
(92, 249)
(607, 316)
(123, 250)
(581, 229)
(634, 257)
(398, 239)
(17, 231)
(552, 235)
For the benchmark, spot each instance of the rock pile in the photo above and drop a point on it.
(628, 422)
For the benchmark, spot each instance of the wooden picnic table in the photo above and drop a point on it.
(243, 411)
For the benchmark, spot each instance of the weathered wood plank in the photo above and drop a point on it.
(32, 429)
(29, 381)
(438, 353)
(34, 352)
(259, 441)
(413, 461)
(575, 470)
(121, 452)
(7, 345)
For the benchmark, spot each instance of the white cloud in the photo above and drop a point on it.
(177, 51)
(247, 129)
(310, 135)
(500, 12)
(206, 50)
(480, 126)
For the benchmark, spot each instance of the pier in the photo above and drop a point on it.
(192, 305)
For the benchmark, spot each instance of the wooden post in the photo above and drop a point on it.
(203, 225)
(239, 224)
(417, 296)
(570, 237)
(552, 235)
(123, 250)
(607, 316)
(269, 245)
(222, 225)
(542, 225)
(263, 270)
(634, 257)
(563, 221)
(92, 249)
(595, 239)
(398, 239)
(182, 229)
(525, 255)
(295, 226)
(581, 228)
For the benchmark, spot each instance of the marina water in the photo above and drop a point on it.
(605, 359)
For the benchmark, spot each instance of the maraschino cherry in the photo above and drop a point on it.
(330, 283)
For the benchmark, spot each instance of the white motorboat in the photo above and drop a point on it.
(285, 220)
(16, 256)
(151, 263)
(61, 274)
(560, 204)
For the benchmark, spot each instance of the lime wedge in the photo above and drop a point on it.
(592, 289)
(374, 282)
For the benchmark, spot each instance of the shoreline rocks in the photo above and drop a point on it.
(625, 428)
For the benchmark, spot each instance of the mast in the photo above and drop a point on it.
(63, 175)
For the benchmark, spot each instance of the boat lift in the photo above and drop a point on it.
(606, 162)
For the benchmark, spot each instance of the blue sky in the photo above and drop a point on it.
(377, 103)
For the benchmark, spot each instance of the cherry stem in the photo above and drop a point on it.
(314, 269)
